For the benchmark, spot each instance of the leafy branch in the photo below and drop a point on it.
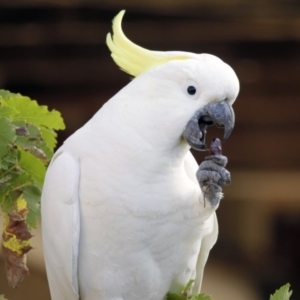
(27, 142)
(185, 294)
(283, 293)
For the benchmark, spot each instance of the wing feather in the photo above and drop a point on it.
(61, 226)
(207, 243)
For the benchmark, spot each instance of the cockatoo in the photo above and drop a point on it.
(124, 215)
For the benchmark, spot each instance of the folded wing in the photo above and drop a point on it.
(61, 226)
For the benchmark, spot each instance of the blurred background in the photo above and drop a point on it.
(54, 51)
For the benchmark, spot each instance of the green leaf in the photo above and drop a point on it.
(34, 131)
(173, 296)
(2, 297)
(8, 201)
(187, 287)
(32, 195)
(10, 190)
(33, 166)
(7, 135)
(4, 191)
(10, 159)
(6, 111)
(29, 111)
(49, 136)
(282, 294)
(27, 142)
(4, 94)
(12, 156)
(185, 294)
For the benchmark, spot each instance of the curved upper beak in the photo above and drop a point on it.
(219, 113)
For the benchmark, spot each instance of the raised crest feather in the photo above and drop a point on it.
(132, 58)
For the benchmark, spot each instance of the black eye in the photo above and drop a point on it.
(191, 90)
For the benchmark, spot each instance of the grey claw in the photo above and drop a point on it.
(212, 193)
(211, 176)
(220, 160)
(213, 172)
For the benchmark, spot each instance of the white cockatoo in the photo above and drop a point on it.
(123, 212)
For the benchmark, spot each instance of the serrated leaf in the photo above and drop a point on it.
(8, 201)
(30, 112)
(11, 156)
(18, 123)
(185, 294)
(6, 111)
(10, 191)
(282, 294)
(174, 296)
(33, 166)
(27, 141)
(4, 190)
(35, 148)
(49, 136)
(4, 94)
(32, 195)
(34, 131)
(7, 135)
(46, 151)
(33, 142)
(20, 180)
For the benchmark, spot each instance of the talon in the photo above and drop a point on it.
(227, 178)
(211, 176)
(218, 159)
(212, 192)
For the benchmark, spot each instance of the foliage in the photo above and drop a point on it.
(27, 141)
(282, 294)
(185, 295)
(172, 296)
(2, 297)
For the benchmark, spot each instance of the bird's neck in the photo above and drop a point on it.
(140, 131)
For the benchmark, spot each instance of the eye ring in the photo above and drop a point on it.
(191, 90)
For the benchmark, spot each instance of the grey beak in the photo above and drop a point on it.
(219, 113)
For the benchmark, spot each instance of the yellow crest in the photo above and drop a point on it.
(132, 58)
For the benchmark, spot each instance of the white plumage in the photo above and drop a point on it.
(123, 216)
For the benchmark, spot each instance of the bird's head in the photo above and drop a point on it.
(192, 90)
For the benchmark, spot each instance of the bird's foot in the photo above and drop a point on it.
(211, 176)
